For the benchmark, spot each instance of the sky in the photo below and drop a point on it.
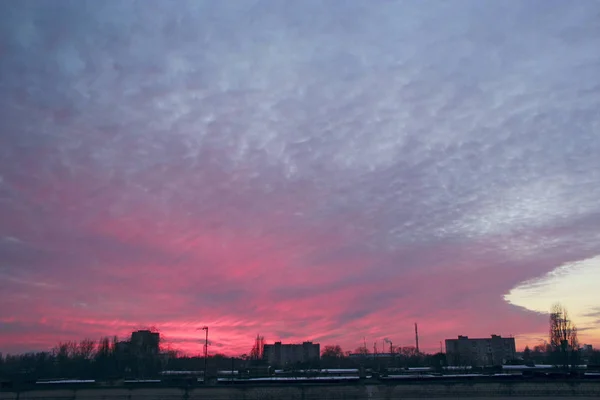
(303, 170)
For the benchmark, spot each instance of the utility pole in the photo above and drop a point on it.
(375, 359)
(205, 328)
(417, 337)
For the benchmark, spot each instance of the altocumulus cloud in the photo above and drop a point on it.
(306, 170)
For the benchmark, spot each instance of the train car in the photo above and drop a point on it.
(185, 378)
(283, 376)
(306, 379)
(63, 382)
(328, 372)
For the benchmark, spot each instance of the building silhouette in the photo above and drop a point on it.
(145, 342)
(480, 351)
(280, 355)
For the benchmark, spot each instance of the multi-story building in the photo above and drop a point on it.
(587, 351)
(145, 342)
(279, 354)
(477, 352)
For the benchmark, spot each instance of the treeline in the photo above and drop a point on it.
(550, 355)
(400, 357)
(87, 359)
(562, 348)
(108, 359)
(408, 357)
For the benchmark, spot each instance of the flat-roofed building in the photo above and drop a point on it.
(145, 341)
(279, 354)
(480, 351)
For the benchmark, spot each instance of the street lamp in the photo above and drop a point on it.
(205, 328)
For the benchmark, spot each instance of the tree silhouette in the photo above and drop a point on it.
(332, 356)
(332, 352)
(563, 336)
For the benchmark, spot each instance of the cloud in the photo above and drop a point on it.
(593, 313)
(573, 285)
(301, 171)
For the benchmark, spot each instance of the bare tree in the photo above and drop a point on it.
(87, 348)
(563, 333)
(66, 350)
(408, 351)
(257, 351)
(332, 352)
(103, 347)
(332, 356)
